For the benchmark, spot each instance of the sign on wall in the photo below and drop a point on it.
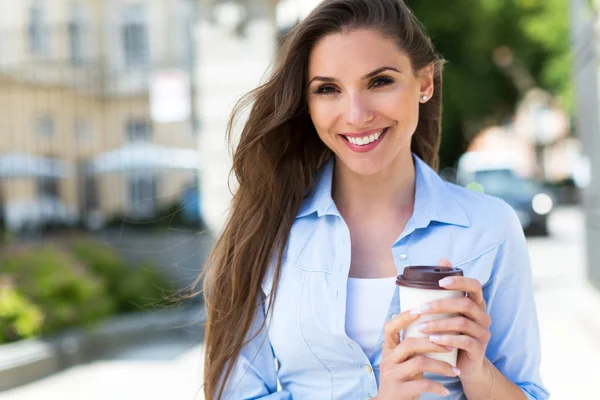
(170, 96)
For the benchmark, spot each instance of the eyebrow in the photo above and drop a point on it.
(367, 76)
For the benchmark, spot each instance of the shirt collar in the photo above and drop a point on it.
(433, 200)
(319, 199)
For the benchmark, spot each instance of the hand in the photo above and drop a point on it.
(473, 324)
(401, 375)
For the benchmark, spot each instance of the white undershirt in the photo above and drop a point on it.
(367, 304)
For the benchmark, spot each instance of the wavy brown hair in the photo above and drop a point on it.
(275, 163)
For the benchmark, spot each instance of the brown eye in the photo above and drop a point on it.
(325, 89)
(381, 81)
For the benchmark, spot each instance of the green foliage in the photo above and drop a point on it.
(132, 288)
(19, 318)
(63, 289)
(476, 91)
(54, 288)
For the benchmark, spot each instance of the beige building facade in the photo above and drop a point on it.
(77, 136)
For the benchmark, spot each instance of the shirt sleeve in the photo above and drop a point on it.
(514, 347)
(254, 375)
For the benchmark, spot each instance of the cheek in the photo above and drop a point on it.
(401, 108)
(322, 116)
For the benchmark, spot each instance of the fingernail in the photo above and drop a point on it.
(449, 348)
(435, 338)
(414, 311)
(456, 371)
(446, 282)
(446, 392)
(422, 326)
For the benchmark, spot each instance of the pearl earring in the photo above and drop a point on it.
(424, 98)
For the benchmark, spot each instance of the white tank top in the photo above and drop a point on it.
(367, 304)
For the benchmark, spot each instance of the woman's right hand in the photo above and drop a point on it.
(402, 366)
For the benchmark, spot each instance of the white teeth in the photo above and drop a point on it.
(365, 140)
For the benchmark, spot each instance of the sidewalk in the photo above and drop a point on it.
(570, 328)
(568, 309)
(148, 373)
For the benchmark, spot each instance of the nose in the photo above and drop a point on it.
(357, 110)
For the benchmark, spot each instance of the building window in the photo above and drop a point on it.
(77, 34)
(38, 34)
(139, 130)
(75, 42)
(83, 130)
(45, 126)
(90, 194)
(142, 195)
(48, 187)
(134, 34)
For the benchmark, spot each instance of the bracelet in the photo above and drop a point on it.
(491, 372)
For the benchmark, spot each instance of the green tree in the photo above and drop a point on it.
(477, 92)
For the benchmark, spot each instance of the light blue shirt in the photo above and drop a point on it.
(305, 348)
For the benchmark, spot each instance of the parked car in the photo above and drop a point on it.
(530, 200)
(38, 213)
(494, 173)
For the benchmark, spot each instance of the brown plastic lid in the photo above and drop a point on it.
(426, 277)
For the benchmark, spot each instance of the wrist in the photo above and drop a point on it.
(480, 373)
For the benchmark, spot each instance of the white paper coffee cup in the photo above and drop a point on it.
(418, 285)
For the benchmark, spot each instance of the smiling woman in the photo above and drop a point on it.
(337, 194)
(377, 94)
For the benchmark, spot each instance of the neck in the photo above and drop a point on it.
(388, 193)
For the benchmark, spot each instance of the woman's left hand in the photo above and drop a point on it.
(473, 324)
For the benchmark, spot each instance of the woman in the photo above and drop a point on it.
(337, 193)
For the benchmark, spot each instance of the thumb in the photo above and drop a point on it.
(444, 262)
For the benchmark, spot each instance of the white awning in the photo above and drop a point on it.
(21, 164)
(144, 156)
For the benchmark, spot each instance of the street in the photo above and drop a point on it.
(568, 312)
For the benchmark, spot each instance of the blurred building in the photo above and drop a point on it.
(540, 138)
(584, 40)
(77, 136)
(236, 43)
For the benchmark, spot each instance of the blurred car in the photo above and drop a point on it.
(529, 199)
(494, 173)
(34, 214)
(190, 201)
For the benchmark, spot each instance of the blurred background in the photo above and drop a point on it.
(114, 174)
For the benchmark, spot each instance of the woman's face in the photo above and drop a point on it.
(363, 99)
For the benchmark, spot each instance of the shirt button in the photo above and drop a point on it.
(368, 368)
(403, 257)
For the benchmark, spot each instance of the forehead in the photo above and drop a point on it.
(354, 54)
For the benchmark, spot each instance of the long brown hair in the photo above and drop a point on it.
(275, 163)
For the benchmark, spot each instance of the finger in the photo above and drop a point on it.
(462, 305)
(445, 263)
(470, 286)
(420, 364)
(462, 342)
(392, 328)
(417, 387)
(412, 346)
(457, 324)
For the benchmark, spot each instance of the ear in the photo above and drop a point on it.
(426, 88)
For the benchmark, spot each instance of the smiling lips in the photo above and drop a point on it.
(365, 142)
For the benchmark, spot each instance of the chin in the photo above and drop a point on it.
(368, 167)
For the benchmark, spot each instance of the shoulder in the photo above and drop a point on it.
(487, 214)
